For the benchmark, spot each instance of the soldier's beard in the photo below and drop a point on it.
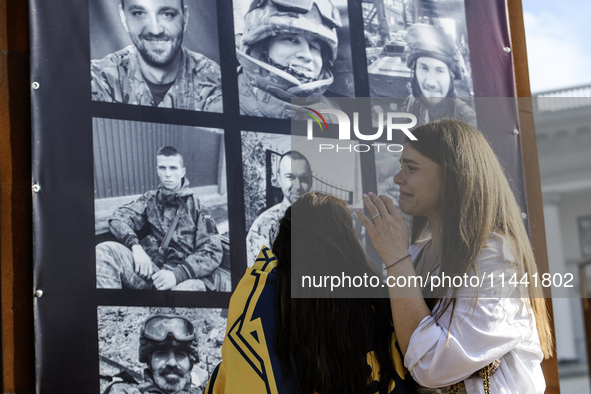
(158, 55)
(171, 379)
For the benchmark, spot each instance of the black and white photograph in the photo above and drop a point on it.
(159, 53)
(161, 207)
(291, 49)
(278, 170)
(417, 51)
(158, 349)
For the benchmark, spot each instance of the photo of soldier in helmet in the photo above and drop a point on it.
(421, 58)
(158, 350)
(435, 66)
(286, 49)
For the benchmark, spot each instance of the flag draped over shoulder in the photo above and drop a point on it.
(250, 362)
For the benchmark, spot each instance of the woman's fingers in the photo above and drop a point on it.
(377, 201)
(369, 203)
(379, 207)
(364, 220)
(389, 204)
(387, 230)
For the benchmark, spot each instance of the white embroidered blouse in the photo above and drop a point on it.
(498, 326)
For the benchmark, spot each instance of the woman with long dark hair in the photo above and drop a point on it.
(278, 344)
(466, 224)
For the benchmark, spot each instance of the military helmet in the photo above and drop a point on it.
(429, 41)
(161, 332)
(268, 18)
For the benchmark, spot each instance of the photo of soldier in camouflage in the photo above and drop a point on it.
(165, 238)
(435, 67)
(417, 51)
(295, 178)
(158, 350)
(289, 49)
(154, 68)
(278, 170)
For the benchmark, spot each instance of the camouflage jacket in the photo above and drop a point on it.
(117, 78)
(457, 109)
(145, 388)
(148, 387)
(254, 101)
(193, 251)
(263, 230)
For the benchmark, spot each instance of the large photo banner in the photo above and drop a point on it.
(164, 156)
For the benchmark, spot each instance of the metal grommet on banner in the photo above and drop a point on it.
(36, 187)
(39, 293)
(515, 132)
(523, 215)
(507, 49)
(35, 85)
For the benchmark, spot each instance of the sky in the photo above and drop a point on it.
(558, 39)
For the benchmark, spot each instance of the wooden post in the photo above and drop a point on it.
(16, 265)
(529, 151)
(586, 305)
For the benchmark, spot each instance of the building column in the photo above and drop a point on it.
(563, 319)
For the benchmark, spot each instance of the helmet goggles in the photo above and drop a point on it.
(157, 328)
(327, 11)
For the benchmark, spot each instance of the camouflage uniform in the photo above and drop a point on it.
(257, 102)
(117, 78)
(148, 387)
(263, 230)
(192, 253)
(451, 107)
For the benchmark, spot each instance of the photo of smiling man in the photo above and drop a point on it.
(155, 69)
(295, 179)
(285, 49)
(417, 53)
(434, 67)
(279, 169)
(158, 350)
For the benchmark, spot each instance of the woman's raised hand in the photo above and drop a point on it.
(386, 228)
